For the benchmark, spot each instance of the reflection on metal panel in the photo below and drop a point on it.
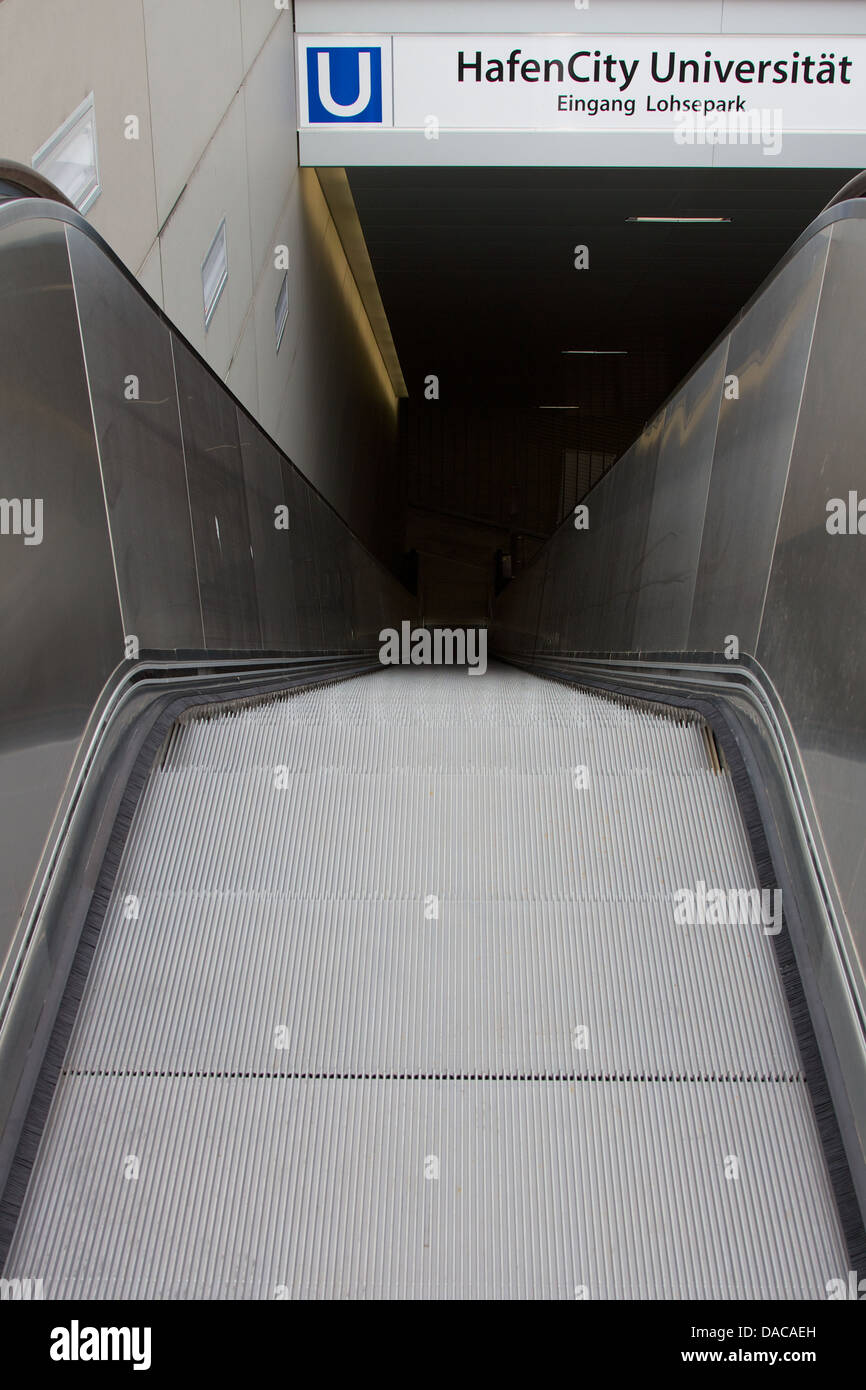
(271, 536)
(580, 565)
(630, 544)
(517, 611)
(62, 633)
(219, 508)
(305, 578)
(673, 539)
(369, 605)
(49, 456)
(622, 543)
(335, 590)
(811, 637)
(768, 353)
(131, 375)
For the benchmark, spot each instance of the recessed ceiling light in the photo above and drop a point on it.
(559, 407)
(595, 352)
(678, 219)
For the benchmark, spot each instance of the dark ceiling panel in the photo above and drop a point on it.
(475, 268)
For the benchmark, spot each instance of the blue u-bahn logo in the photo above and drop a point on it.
(344, 84)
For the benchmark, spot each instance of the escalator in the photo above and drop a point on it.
(335, 981)
(412, 1020)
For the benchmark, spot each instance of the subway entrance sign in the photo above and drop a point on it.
(616, 99)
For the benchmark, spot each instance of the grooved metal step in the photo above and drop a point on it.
(388, 1002)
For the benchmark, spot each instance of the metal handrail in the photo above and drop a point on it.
(854, 188)
(31, 183)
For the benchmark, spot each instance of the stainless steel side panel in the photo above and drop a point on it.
(272, 546)
(61, 627)
(768, 354)
(221, 531)
(373, 606)
(673, 538)
(575, 575)
(634, 482)
(515, 620)
(305, 577)
(335, 586)
(140, 451)
(812, 633)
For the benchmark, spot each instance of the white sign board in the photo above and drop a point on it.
(691, 89)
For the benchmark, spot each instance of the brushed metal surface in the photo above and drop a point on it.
(515, 614)
(574, 584)
(371, 602)
(221, 530)
(515, 624)
(141, 453)
(274, 1188)
(673, 538)
(811, 636)
(61, 628)
(631, 501)
(284, 1038)
(305, 577)
(768, 354)
(399, 997)
(335, 589)
(271, 546)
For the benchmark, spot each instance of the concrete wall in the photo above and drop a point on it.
(212, 83)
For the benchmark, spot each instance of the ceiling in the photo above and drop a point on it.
(476, 271)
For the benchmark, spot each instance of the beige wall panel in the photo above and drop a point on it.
(258, 18)
(217, 189)
(195, 66)
(242, 376)
(150, 273)
(275, 369)
(337, 416)
(272, 147)
(55, 52)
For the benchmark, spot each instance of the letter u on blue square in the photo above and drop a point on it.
(344, 85)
